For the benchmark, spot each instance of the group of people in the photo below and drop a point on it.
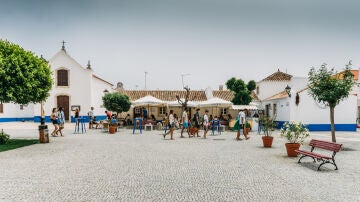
(57, 118)
(192, 127)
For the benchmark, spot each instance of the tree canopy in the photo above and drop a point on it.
(116, 102)
(328, 87)
(24, 77)
(241, 90)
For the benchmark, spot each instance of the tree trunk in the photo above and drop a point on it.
(332, 124)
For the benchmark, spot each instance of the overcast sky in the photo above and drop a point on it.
(212, 40)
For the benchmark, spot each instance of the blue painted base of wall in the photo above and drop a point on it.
(16, 119)
(324, 127)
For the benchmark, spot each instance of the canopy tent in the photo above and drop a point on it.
(177, 104)
(242, 107)
(215, 102)
(148, 101)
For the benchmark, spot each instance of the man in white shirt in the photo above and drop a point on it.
(91, 117)
(242, 118)
(185, 122)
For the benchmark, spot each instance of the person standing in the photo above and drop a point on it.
(54, 120)
(61, 117)
(241, 119)
(206, 123)
(185, 121)
(197, 121)
(171, 125)
(91, 117)
(77, 116)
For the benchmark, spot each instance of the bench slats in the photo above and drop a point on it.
(331, 146)
(312, 154)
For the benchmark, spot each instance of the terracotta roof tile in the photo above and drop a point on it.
(282, 94)
(278, 76)
(170, 95)
(165, 95)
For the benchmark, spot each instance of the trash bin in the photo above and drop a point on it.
(43, 134)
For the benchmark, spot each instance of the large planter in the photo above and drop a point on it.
(112, 129)
(290, 149)
(267, 141)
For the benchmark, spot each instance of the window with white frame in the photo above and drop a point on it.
(223, 111)
(162, 110)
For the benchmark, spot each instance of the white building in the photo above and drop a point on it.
(74, 86)
(300, 106)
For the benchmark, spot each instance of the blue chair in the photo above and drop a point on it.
(138, 123)
(215, 123)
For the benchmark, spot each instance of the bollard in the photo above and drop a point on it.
(43, 134)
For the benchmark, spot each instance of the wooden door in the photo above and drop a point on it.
(63, 101)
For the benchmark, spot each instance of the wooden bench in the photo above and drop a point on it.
(330, 146)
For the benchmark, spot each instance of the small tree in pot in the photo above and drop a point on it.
(116, 102)
(267, 126)
(295, 133)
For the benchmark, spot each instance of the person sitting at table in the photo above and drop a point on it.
(95, 122)
(127, 120)
(152, 117)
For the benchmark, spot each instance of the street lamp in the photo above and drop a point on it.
(182, 78)
(288, 90)
(106, 91)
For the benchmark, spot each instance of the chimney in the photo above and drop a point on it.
(221, 87)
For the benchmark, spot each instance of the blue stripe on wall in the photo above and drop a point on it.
(325, 127)
(16, 119)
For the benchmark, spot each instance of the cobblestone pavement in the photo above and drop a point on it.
(97, 166)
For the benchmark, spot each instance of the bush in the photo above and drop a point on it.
(294, 132)
(4, 138)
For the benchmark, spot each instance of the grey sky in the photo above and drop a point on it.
(211, 40)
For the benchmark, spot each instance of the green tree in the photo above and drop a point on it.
(241, 90)
(116, 102)
(328, 87)
(24, 77)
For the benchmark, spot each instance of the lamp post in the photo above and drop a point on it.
(43, 129)
(182, 78)
(145, 78)
(288, 90)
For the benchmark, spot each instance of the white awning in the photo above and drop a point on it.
(242, 107)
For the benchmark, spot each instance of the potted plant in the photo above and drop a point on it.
(247, 127)
(295, 133)
(267, 126)
(112, 126)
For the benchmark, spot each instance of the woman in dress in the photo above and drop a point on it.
(61, 117)
(54, 120)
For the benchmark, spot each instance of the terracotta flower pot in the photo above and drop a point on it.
(112, 129)
(290, 149)
(267, 141)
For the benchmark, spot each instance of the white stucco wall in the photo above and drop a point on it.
(270, 88)
(97, 92)
(79, 89)
(13, 111)
(309, 112)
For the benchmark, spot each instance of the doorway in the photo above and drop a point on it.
(63, 100)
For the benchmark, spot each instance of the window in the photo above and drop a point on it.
(223, 111)
(137, 110)
(1, 108)
(21, 107)
(257, 90)
(62, 77)
(162, 110)
(274, 109)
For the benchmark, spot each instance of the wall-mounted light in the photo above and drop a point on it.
(288, 90)
(106, 91)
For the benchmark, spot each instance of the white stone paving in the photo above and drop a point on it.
(97, 166)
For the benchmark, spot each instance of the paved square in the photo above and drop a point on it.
(97, 166)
